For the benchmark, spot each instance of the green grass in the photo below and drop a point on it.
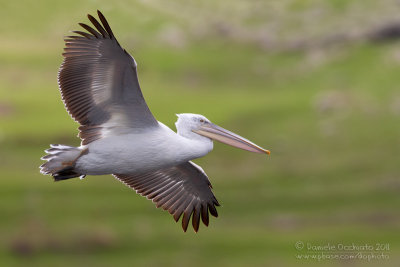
(330, 117)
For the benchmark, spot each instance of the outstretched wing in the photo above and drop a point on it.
(183, 189)
(99, 85)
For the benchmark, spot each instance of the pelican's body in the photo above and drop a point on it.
(141, 152)
(120, 136)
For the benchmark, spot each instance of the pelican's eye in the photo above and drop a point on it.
(201, 120)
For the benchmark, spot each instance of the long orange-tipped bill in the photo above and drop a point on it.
(220, 134)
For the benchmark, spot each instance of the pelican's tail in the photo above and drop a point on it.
(61, 161)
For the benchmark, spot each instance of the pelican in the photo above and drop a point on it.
(120, 136)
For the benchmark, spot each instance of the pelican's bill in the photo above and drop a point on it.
(220, 134)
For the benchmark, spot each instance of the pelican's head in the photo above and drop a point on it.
(197, 127)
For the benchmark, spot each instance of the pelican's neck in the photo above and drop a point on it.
(194, 148)
(186, 145)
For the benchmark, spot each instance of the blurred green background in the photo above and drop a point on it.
(316, 82)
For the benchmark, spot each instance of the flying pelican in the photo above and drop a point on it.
(120, 136)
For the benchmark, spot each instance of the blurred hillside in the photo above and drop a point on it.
(316, 82)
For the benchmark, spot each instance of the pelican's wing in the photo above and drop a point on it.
(180, 189)
(99, 85)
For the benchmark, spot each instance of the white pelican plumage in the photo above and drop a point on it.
(120, 136)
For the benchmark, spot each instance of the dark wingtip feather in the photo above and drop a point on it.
(186, 218)
(69, 37)
(98, 26)
(196, 218)
(90, 29)
(176, 216)
(213, 210)
(204, 214)
(84, 34)
(105, 24)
